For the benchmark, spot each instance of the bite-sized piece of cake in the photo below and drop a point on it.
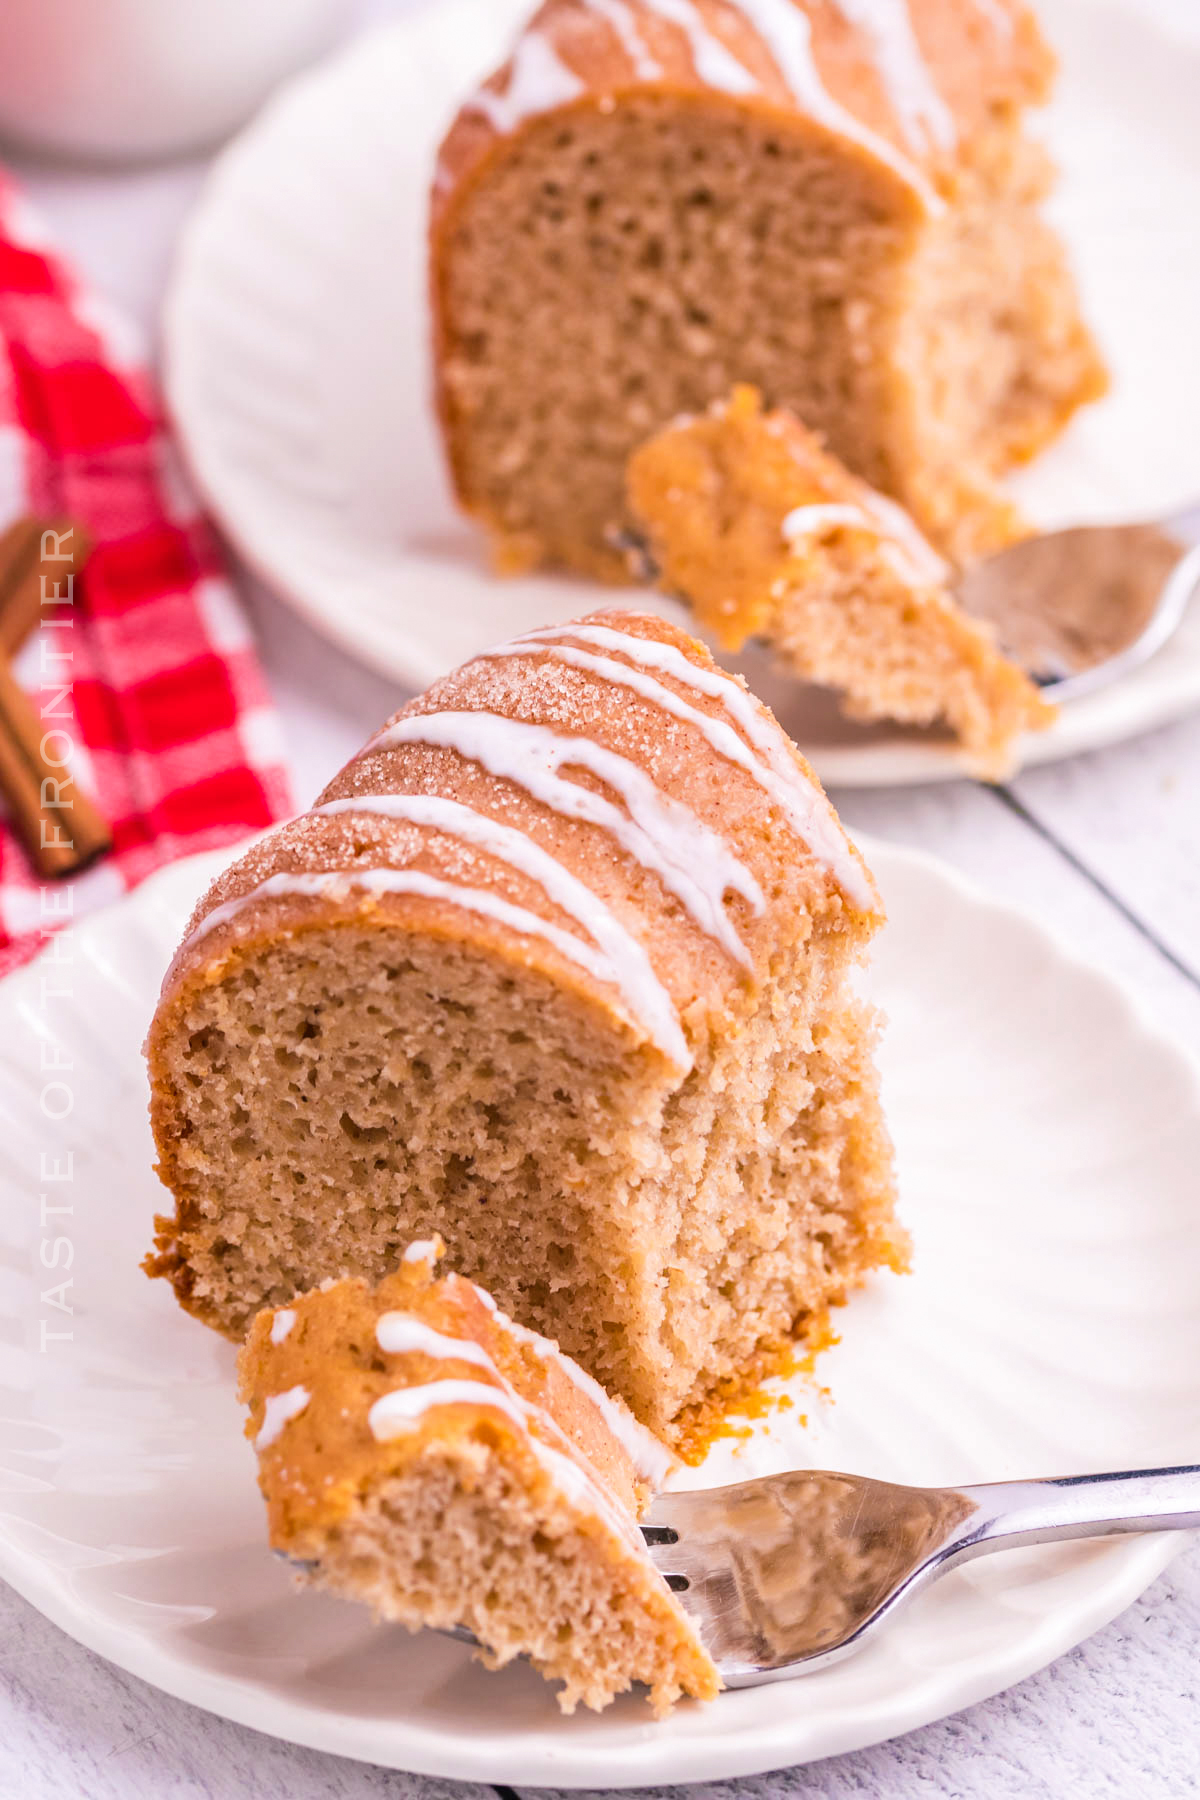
(653, 200)
(766, 535)
(422, 1453)
(558, 967)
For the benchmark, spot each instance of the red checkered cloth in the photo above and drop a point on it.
(169, 723)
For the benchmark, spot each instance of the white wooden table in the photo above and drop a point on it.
(1105, 849)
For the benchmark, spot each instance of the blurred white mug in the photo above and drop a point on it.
(122, 79)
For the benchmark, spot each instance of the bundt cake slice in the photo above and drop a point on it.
(767, 536)
(653, 200)
(558, 968)
(422, 1453)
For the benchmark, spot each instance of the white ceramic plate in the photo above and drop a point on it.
(297, 359)
(1047, 1145)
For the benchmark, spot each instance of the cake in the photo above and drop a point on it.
(653, 200)
(562, 968)
(422, 1453)
(766, 535)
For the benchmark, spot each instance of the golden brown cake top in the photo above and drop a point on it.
(346, 1383)
(905, 81)
(777, 490)
(597, 802)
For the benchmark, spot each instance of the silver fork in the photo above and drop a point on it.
(1082, 607)
(790, 1573)
(1077, 608)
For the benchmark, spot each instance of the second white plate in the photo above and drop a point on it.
(297, 369)
(1047, 1145)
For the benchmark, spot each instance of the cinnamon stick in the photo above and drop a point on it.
(20, 586)
(61, 829)
(26, 581)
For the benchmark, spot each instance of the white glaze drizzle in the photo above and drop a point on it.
(399, 1332)
(585, 1491)
(652, 1460)
(282, 1324)
(421, 1250)
(913, 556)
(786, 30)
(538, 81)
(401, 1335)
(395, 1413)
(819, 516)
(927, 121)
(628, 968)
(279, 1411)
(897, 524)
(656, 1012)
(773, 768)
(662, 834)
(403, 1409)
(724, 740)
(625, 28)
(714, 63)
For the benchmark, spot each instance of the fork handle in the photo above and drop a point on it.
(1077, 1506)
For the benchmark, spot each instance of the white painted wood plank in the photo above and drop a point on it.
(1132, 814)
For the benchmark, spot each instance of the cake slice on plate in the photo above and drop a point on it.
(766, 535)
(424, 1454)
(560, 967)
(653, 200)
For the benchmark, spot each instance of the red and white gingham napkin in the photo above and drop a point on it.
(169, 723)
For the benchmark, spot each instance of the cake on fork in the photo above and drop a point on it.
(422, 1453)
(749, 519)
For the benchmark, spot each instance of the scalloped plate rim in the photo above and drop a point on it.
(241, 1702)
(1126, 1567)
